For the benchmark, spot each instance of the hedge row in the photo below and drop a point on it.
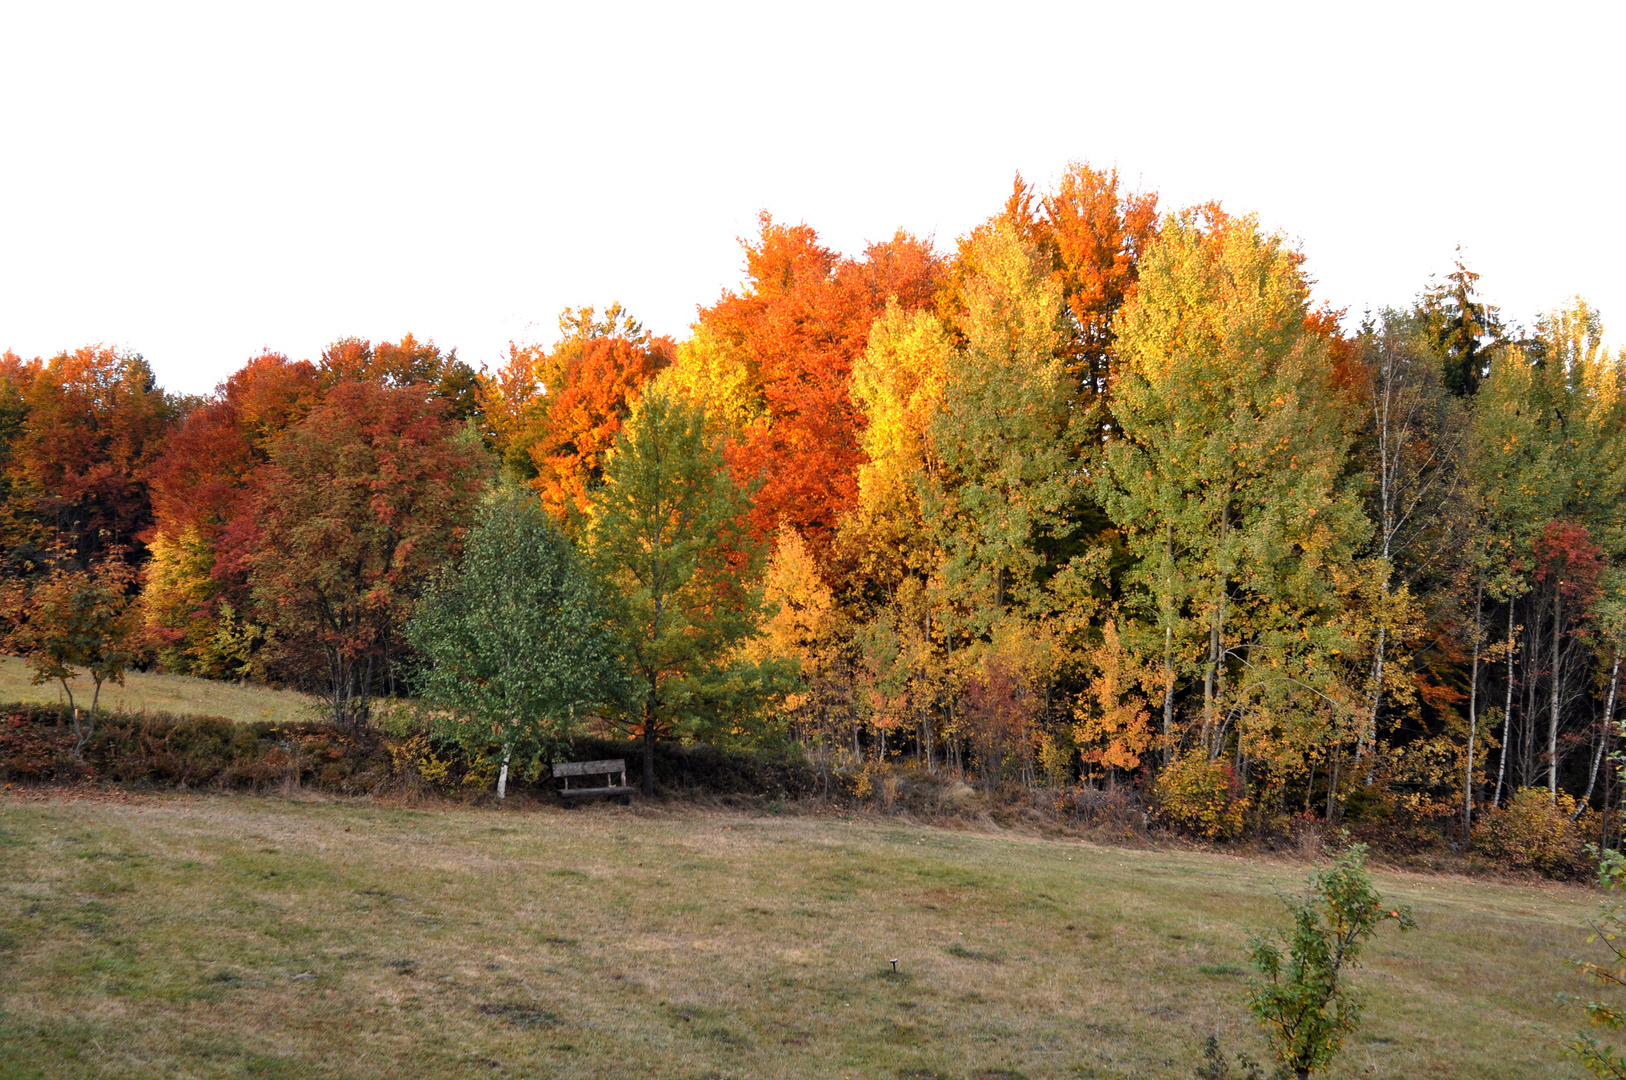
(159, 750)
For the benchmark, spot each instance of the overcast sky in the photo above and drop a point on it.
(199, 183)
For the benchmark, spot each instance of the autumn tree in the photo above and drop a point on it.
(191, 604)
(76, 619)
(795, 330)
(557, 412)
(356, 507)
(513, 641)
(1002, 432)
(667, 530)
(408, 362)
(1228, 482)
(89, 424)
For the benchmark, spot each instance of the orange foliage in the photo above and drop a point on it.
(555, 415)
(95, 421)
(1092, 234)
(804, 316)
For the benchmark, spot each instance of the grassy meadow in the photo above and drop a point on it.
(235, 936)
(175, 694)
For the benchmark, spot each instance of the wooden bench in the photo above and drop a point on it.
(568, 795)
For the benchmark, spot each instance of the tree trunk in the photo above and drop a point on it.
(1168, 694)
(1473, 720)
(1507, 712)
(502, 777)
(649, 750)
(1552, 716)
(1606, 728)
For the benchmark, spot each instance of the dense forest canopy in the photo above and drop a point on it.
(1101, 496)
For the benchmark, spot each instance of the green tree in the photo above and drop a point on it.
(513, 641)
(1609, 929)
(667, 530)
(1302, 999)
(1002, 431)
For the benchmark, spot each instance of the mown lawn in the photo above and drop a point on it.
(176, 694)
(219, 936)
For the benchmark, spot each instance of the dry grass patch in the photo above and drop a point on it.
(234, 936)
(174, 694)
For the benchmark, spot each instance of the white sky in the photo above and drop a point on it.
(201, 182)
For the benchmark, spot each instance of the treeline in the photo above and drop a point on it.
(1099, 497)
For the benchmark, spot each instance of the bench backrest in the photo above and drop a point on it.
(589, 768)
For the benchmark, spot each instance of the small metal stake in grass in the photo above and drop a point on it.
(894, 967)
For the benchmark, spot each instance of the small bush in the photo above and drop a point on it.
(1201, 796)
(1534, 833)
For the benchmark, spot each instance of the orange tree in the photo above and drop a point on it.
(342, 526)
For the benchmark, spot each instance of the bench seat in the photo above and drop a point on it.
(568, 795)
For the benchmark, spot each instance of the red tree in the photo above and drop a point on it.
(357, 506)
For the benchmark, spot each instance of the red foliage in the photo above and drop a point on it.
(357, 506)
(1567, 557)
(198, 478)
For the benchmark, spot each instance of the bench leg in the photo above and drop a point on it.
(624, 800)
(568, 804)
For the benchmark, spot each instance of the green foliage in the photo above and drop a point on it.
(1302, 999)
(1001, 432)
(1596, 1056)
(1201, 796)
(667, 530)
(514, 642)
(1228, 485)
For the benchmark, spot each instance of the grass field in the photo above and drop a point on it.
(217, 936)
(162, 693)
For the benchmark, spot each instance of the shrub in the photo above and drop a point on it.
(1301, 998)
(1201, 796)
(1534, 833)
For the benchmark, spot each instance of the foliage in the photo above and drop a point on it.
(795, 331)
(89, 423)
(667, 532)
(1202, 796)
(341, 527)
(513, 642)
(556, 413)
(1534, 833)
(1303, 1000)
(1597, 1057)
(75, 619)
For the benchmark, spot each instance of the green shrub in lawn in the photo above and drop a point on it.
(1302, 999)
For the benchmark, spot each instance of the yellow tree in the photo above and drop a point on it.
(1228, 478)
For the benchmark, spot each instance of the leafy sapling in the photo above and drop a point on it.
(514, 640)
(1596, 1056)
(1302, 999)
